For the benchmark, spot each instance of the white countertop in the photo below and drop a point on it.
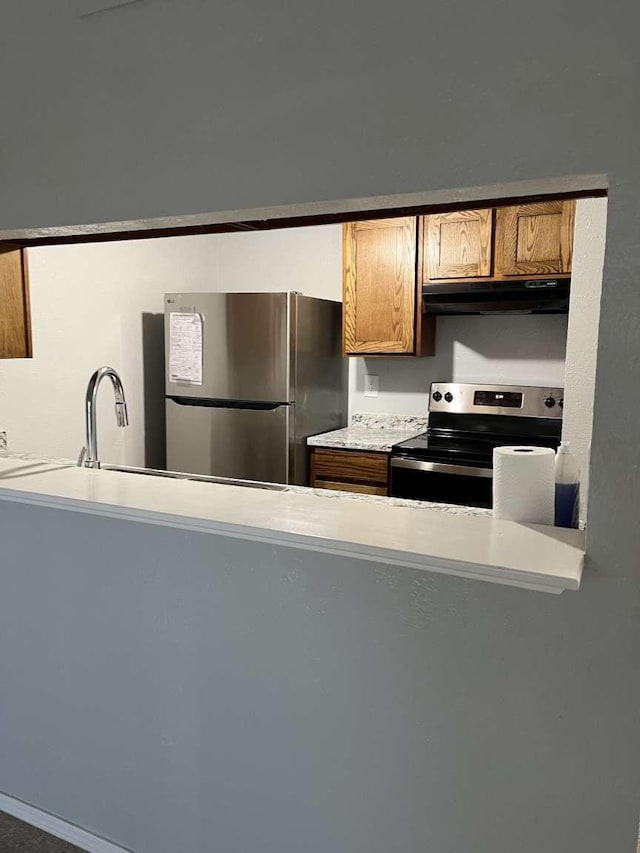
(547, 559)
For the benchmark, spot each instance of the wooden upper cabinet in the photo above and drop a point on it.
(534, 239)
(458, 245)
(15, 325)
(382, 297)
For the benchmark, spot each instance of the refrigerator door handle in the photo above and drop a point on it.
(255, 405)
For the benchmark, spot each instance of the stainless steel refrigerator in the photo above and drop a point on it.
(248, 377)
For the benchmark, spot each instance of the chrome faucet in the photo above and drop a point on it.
(89, 455)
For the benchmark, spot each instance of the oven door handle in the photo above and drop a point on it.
(440, 467)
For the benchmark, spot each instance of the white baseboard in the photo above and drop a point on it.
(58, 827)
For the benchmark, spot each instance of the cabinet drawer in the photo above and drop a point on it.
(358, 488)
(347, 465)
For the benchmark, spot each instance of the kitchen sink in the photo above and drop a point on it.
(203, 478)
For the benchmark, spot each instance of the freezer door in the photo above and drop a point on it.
(247, 347)
(248, 444)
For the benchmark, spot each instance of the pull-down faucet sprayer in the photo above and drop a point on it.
(89, 455)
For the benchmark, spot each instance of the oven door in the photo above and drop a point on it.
(440, 482)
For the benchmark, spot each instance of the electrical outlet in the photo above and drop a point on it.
(370, 385)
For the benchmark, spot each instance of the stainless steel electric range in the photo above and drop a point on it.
(452, 462)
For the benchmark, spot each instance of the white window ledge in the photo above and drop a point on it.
(546, 559)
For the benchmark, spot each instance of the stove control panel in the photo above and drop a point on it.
(530, 401)
(498, 399)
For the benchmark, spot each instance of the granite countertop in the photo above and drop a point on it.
(452, 509)
(26, 456)
(371, 432)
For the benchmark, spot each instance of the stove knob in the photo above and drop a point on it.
(437, 396)
(448, 397)
(561, 402)
(550, 402)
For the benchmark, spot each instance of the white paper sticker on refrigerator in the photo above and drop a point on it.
(185, 348)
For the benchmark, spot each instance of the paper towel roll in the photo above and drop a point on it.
(524, 484)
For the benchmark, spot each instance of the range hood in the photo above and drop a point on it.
(510, 296)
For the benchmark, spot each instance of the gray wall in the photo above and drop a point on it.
(176, 691)
(267, 700)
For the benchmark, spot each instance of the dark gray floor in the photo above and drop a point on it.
(19, 837)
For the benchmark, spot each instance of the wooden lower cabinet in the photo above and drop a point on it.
(15, 321)
(364, 472)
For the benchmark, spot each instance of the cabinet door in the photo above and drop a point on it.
(458, 244)
(379, 284)
(535, 239)
(15, 331)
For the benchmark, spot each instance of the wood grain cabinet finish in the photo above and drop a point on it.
(15, 321)
(381, 293)
(363, 472)
(458, 245)
(534, 239)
